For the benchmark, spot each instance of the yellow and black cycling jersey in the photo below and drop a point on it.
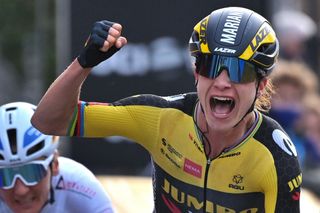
(260, 174)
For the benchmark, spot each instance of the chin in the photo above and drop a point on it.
(219, 125)
(34, 208)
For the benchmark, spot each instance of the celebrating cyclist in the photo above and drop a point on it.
(213, 150)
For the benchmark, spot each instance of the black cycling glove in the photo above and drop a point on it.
(90, 55)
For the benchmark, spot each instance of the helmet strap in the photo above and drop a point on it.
(252, 105)
(202, 134)
(51, 200)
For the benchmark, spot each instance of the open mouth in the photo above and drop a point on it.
(222, 105)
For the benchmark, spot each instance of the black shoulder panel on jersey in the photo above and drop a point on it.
(184, 102)
(271, 135)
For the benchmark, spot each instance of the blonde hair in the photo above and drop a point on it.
(263, 102)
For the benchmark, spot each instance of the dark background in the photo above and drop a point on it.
(144, 21)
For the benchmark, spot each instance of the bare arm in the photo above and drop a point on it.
(55, 110)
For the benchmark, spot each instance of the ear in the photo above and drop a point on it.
(55, 164)
(196, 77)
(262, 84)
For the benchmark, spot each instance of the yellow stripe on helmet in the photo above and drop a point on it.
(265, 35)
(201, 28)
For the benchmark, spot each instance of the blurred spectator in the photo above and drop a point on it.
(292, 82)
(309, 126)
(294, 29)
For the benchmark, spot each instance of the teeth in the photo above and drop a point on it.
(221, 105)
(223, 98)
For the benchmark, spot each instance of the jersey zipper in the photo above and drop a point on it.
(205, 185)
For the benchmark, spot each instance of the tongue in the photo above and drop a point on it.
(221, 108)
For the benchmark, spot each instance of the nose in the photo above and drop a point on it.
(20, 188)
(222, 81)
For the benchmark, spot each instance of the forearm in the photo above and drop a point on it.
(55, 110)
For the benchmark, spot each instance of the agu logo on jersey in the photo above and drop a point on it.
(284, 142)
(237, 180)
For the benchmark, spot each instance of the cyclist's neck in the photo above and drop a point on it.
(217, 140)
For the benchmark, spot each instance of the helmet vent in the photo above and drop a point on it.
(10, 113)
(11, 109)
(12, 136)
(35, 148)
(266, 48)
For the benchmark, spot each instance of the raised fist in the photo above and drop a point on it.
(104, 41)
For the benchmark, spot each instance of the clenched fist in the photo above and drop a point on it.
(104, 41)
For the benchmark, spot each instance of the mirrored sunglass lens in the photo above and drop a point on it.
(239, 70)
(34, 172)
(5, 178)
(233, 69)
(242, 72)
(248, 72)
(204, 66)
(31, 174)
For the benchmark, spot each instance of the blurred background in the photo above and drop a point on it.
(39, 38)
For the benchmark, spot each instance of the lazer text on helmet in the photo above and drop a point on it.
(203, 29)
(263, 32)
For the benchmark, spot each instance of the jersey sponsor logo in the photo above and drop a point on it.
(237, 179)
(174, 151)
(171, 149)
(296, 196)
(166, 149)
(224, 50)
(295, 182)
(74, 187)
(231, 155)
(192, 202)
(259, 37)
(192, 168)
(284, 142)
(172, 161)
(199, 147)
(171, 206)
(60, 184)
(164, 142)
(231, 27)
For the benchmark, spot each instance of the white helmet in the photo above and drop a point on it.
(20, 142)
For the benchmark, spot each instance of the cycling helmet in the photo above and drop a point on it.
(236, 32)
(20, 142)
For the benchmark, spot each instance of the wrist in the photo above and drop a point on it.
(76, 67)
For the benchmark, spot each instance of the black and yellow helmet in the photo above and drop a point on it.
(236, 32)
